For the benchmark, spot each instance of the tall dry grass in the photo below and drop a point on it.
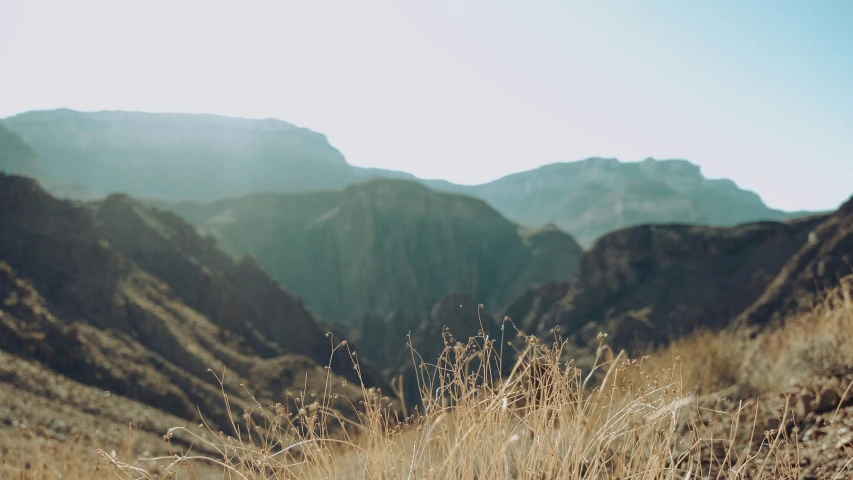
(635, 418)
(808, 347)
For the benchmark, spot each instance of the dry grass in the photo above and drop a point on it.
(809, 347)
(651, 418)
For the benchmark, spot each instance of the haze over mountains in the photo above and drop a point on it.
(592, 197)
(206, 157)
(182, 156)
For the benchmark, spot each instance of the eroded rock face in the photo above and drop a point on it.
(825, 257)
(132, 300)
(644, 285)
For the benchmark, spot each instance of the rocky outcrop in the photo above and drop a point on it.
(822, 260)
(645, 285)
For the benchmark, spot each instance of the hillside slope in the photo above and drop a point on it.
(16, 157)
(183, 156)
(385, 245)
(592, 197)
(648, 284)
(819, 264)
(133, 301)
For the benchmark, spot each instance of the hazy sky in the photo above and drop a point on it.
(757, 91)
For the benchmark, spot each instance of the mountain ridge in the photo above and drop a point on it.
(203, 157)
(591, 197)
(122, 297)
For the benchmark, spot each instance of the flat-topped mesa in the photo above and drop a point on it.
(182, 156)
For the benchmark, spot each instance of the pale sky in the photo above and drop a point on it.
(760, 91)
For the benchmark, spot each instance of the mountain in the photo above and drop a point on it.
(183, 156)
(133, 301)
(384, 245)
(648, 284)
(592, 197)
(207, 157)
(821, 261)
(16, 157)
(643, 286)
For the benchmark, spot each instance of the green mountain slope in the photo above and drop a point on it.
(16, 157)
(592, 197)
(131, 300)
(385, 245)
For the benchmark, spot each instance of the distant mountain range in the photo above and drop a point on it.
(207, 157)
(592, 197)
(183, 156)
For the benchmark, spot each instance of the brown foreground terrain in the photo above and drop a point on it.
(712, 405)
